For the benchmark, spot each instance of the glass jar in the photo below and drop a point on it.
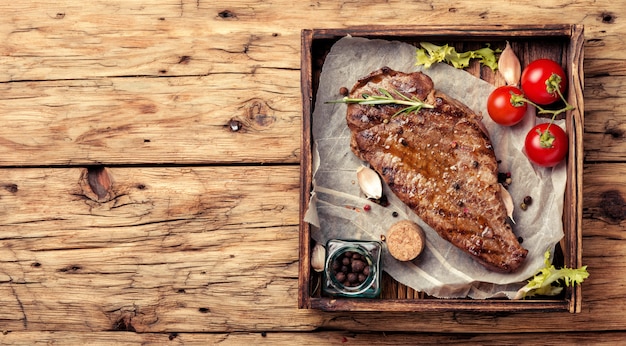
(352, 268)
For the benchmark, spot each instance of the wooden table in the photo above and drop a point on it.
(150, 174)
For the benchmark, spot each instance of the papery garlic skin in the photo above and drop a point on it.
(509, 66)
(318, 257)
(369, 182)
(508, 202)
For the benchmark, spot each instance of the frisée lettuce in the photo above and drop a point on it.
(542, 282)
(430, 53)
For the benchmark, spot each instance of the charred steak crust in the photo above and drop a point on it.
(440, 162)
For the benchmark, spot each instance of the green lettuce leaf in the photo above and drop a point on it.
(542, 282)
(430, 54)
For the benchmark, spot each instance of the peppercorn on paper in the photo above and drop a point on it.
(442, 270)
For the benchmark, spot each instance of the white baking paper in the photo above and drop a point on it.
(442, 270)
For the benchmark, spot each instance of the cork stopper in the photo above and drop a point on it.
(405, 240)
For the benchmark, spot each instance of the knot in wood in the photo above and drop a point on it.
(97, 184)
(613, 205)
(613, 130)
(185, 59)
(70, 269)
(227, 14)
(234, 125)
(12, 188)
(607, 18)
(124, 325)
(259, 112)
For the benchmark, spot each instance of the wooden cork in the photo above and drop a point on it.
(405, 240)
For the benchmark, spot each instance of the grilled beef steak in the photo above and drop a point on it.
(439, 162)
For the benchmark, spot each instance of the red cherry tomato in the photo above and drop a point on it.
(534, 79)
(546, 149)
(502, 110)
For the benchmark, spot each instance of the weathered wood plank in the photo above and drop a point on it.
(189, 249)
(93, 117)
(605, 118)
(317, 338)
(206, 119)
(165, 245)
(203, 119)
(72, 41)
(189, 37)
(605, 201)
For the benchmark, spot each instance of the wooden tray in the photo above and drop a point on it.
(562, 43)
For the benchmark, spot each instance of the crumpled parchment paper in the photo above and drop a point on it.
(442, 270)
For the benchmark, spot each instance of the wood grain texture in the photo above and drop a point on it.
(194, 108)
(188, 249)
(204, 119)
(167, 245)
(317, 338)
(165, 83)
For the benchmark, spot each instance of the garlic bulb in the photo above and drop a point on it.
(508, 202)
(509, 66)
(318, 257)
(370, 183)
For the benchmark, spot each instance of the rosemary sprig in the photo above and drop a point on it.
(413, 104)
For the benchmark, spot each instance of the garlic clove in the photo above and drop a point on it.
(509, 66)
(508, 202)
(370, 183)
(318, 257)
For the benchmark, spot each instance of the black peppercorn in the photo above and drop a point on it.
(528, 200)
(351, 269)
(358, 266)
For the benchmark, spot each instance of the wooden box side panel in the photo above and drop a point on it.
(437, 305)
(573, 204)
(306, 80)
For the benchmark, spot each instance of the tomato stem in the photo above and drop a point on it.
(553, 84)
(546, 138)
